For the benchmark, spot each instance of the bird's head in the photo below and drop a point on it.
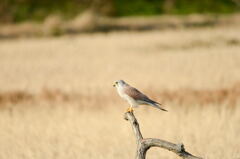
(119, 83)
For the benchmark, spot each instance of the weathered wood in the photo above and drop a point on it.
(143, 144)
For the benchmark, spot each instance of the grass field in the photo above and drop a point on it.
(57, 99)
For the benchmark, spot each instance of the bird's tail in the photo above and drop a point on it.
(156, 105)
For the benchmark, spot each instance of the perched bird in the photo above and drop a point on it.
(134, 96)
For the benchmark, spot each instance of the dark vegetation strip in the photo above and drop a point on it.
(25, 10)
(188, 96)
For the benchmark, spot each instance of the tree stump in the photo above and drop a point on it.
(143, 144)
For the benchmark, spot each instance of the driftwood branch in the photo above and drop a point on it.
(143, 144)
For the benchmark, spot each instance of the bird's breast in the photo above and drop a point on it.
(126, 97)
(120, 92)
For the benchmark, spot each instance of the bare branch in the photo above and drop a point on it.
(135, 126)
(144, 144)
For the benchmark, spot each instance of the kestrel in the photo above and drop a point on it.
(133, 96)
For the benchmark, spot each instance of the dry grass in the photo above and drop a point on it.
(67, 131)
(89, 63)
(58, 101)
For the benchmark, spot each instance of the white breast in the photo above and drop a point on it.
(130, 100)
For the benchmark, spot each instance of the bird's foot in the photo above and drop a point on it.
(130, 110)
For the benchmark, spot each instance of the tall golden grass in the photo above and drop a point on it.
(63, 131)
(57, 99)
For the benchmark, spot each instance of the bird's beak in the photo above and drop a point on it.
(114, 85)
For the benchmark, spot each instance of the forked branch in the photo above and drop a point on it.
(144, 144)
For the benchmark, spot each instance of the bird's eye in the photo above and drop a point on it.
(116, 82)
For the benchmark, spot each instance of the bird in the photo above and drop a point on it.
(134, 97)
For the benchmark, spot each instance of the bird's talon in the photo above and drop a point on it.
(130, 110)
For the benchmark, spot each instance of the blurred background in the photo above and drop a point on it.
(25, 10)
(59, 60)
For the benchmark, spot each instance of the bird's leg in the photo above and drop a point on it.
(130, 109)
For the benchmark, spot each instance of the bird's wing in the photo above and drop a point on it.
(138, 96)
(135, 94)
